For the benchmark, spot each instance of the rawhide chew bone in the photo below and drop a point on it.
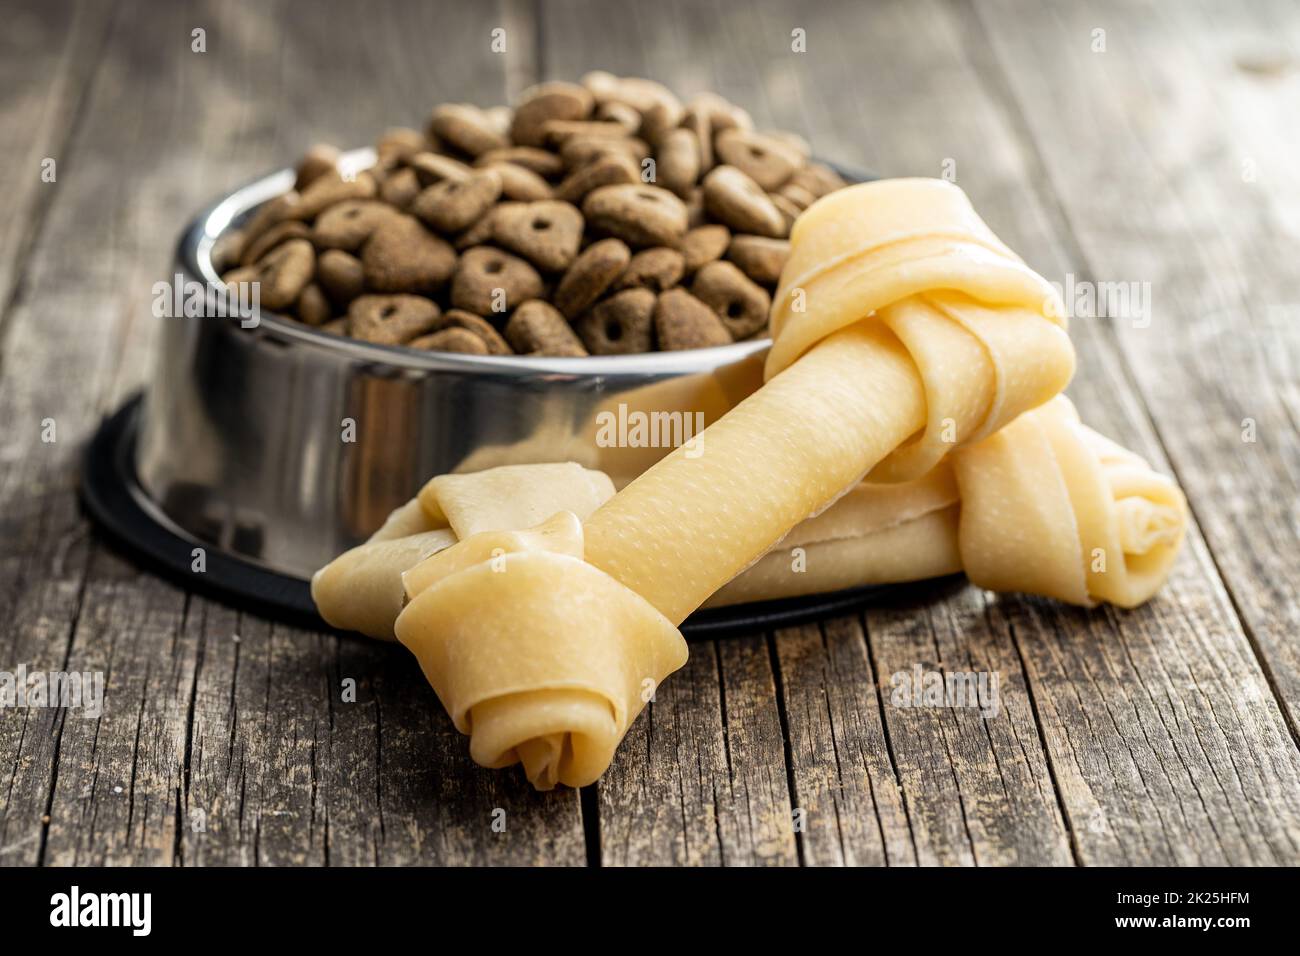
(539, 657)
(903, 328)
(1044, 506)
(361, 589)
(913, 331)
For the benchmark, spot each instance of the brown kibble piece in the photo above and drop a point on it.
(767, 161)
(455, 204)
(337, 326)
(818, 179)
(545, 103)
(623, 324)
(453, 339)
(430, 168)
(460, 319)
(399, 144)
(735, 199)
(347, 225)
(391, 319)
(639, 214)
(520, 184)
(610, 169)
(499, 118)
(316, 162)
(789, 211)
(792, 141)
(684, 322)
(540, 161)
(400, 188)
(270, 213)
(313, 307)
(483, 271)
(679, 163)
(697, 121)
(721, 112)
(268, 240)
(402, 256)
(740, 303)
(657, 269)
(591, 273)
(480, 232)
(658, 120)
(341, 275)
(282, 274)
(641, 94)
(227, 248)
(558, 132)
(759, 257)
(466, 128)
(547, 234)
(702, 245)
(620, 113)
(331, 188)
(538, 328)
(801, 197)
(580, 150)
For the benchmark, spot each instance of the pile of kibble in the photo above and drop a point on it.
(600, 218)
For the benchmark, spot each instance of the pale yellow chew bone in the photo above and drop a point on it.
(539, 657)
(1045, 506)
(875, 534)
(1051, 507)
(361, 590)
(903, 329)
(906, 331)
(513, 497)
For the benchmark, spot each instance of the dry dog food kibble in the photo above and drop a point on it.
(603, 217)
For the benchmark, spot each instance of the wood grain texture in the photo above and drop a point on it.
(224, 738)
(1163, 735)
(700, 778)
(1195, 194)
(47, 52)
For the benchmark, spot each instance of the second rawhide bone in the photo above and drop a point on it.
(1045, 505)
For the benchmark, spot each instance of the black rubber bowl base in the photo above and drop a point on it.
(119, 506)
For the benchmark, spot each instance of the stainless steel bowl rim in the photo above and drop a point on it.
(194, 260)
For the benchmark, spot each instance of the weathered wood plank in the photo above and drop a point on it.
(224, 751)
(700, 778)
(1194, 194)
(117, 793)
(973, 769)
(1191, 195)
(47, 52)
(846, 788)
(44, 545)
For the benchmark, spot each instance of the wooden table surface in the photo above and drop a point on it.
(1136, 142)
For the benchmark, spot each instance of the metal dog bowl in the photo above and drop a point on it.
(275, 448)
